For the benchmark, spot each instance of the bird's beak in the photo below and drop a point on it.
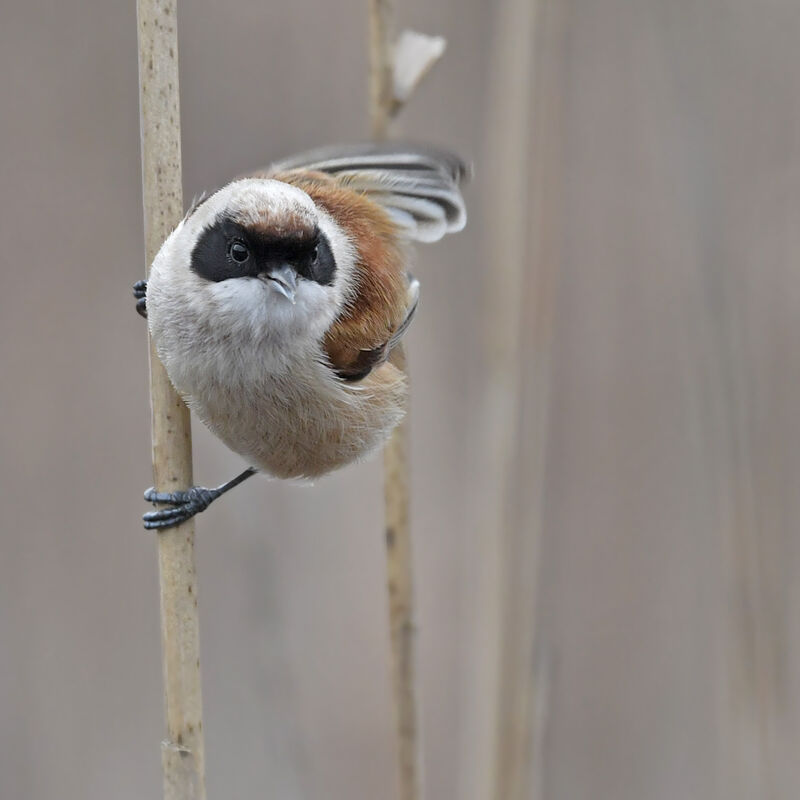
(284, 279)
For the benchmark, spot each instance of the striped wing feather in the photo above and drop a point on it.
(417, 186)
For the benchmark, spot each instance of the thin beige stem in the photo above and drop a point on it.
(399, 572)
(395, 459)
(381, 69)
(503, 756)
(523, 689)
(182, 751)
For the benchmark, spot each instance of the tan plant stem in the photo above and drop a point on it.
(395, 458)
(399, 572)
(381, 66)
(522, 214)
(182, 751)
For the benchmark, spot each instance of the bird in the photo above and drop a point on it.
(276, 303)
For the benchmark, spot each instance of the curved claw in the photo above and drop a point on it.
(185, 504)
(176, 512)
(167, 517)
(140, 293)
(176, 498)
(158, 524)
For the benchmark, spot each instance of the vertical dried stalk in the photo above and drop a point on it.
(182, 752)
(523, 701)
(749, 636)
(401, 619)
(381, 66)
(510, 704)
(395, 458)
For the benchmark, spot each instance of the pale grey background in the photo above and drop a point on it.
(669, 609)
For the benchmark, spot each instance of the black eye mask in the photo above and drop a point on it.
(228, 250)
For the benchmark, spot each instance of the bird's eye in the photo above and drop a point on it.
(314, 256)
(238, 252)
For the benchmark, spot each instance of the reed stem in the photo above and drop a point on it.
(182, 750)
(397, 497)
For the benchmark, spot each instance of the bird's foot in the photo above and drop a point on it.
(185, 504)
(140, 293)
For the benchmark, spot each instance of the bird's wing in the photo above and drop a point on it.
(417, 186)
(359, 364)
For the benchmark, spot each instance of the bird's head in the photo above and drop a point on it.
(257, 257)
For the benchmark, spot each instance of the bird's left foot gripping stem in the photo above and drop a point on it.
(140, 293)
(185, 504)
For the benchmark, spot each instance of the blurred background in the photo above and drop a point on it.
(605, 434)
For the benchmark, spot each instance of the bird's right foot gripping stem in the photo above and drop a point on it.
(185, 504)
